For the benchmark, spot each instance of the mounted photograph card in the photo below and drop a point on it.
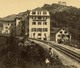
(39, 34)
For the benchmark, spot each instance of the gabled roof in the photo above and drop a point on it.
(9, 18)
(4, 21)
(56, 30)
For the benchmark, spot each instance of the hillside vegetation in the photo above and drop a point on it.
(65, 16)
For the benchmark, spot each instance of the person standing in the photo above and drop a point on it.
(51, 55)
(50, 52)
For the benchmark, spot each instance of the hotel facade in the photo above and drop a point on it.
(39, 24)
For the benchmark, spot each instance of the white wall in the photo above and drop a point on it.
(39, 26)
(63, 32)
(6, 30)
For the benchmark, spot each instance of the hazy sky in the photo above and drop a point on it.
(8, 7)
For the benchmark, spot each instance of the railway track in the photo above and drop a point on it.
(67, 52)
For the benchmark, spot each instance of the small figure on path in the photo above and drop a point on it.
(47, 62)
(50, 52)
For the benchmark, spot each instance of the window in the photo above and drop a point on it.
(6, 27)
(45, 35)
(45, 29)
(65, 32)
(33, 34)
(8, 23)
(63, 35)
(59, 35)
(61, 32)
(33, 29)
(39, 30)
(39, 17)
(39, 34)
(44, 23)
(39, 13)
(44, 18)
(33, 13)
(34, 18)
(11, 24)
(44, 13)
(39, 23)
(68, 36)
(44, 38)
(19, 22)
(63, 29)
(33, 23)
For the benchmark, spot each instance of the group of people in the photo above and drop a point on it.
(51, 57)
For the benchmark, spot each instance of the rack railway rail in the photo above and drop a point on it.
(67, 52)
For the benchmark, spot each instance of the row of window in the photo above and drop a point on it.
(39, 18)
(62, 32)
(39, 23)
(39, 29)
(39, 34)
(9, 24)
(64, 36)
(39, 13)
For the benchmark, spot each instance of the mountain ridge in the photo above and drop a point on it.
(53, 8)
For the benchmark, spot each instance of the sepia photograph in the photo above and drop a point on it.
(39, 33)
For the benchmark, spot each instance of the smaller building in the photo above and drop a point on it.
(7, 26)
(18, 25)
(21, 23)
(61, 35)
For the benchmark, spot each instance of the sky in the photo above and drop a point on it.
(8, 7)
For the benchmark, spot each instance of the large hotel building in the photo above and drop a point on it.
(39, 24)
